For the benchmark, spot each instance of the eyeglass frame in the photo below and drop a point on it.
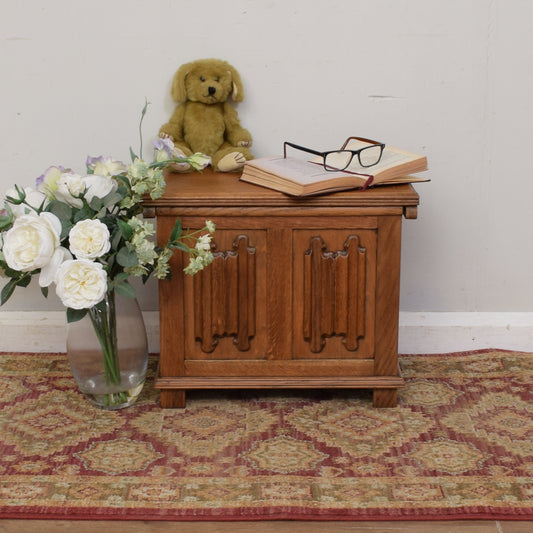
(343, 149)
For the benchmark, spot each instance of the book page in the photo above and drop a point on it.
(303, 172)
(390, 158)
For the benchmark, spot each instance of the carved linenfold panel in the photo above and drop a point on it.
(224, 297)
(334, 293)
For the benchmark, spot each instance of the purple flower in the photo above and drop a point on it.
(105, 166)
(91, 161)
(47, 172)
(166, 146)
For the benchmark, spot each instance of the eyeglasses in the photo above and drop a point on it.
(340, 159)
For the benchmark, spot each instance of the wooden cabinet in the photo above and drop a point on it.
(302, 293)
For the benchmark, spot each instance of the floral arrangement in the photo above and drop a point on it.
(83, 234)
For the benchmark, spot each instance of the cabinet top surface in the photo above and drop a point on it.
(212, 189)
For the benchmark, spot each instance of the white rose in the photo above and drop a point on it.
(89, 239)
(49, 271)
(34, 198)
(69, 187)
(32, 241)
(98, 186)
(80, 283)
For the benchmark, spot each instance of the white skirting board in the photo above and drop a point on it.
(459, 332)
(36, 331)
(29, 331)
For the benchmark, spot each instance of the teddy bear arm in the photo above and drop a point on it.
(174, 127)
(236, 135)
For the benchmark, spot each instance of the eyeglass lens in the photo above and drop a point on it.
(340, 159)
(369, 156)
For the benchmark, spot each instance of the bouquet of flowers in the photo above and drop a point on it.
(83, 234)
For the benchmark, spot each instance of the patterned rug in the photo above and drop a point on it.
(459, 445)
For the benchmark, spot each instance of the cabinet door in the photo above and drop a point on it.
(224, 317)
(334, 280)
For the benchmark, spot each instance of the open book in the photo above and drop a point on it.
(298, 177)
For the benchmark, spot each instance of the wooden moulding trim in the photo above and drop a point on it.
(261, 211)
(366, 382)
(268, 223)
(313, 368)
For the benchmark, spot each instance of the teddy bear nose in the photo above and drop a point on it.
(211, 91)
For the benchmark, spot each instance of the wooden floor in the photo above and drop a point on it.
(81, 526)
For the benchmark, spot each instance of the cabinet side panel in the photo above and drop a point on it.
(388, 295)
(171, 308)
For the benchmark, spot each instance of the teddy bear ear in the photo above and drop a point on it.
(238, 91)
(178, 91)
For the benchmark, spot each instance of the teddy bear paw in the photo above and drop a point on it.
(245, 144)
(231, 162)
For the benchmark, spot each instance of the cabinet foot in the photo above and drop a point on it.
(173, 399)
(385, 397)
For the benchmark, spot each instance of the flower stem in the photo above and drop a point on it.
(143, 112)
(104, 321)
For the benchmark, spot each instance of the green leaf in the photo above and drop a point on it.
(120, 277)
(83, 214)
(110, 263)
(9, 272)
(127, 258)
(125, 229)
(177, 231)
(64, 213)
(60, 210)
(179, 246)
(44, 291)
(114, 198)
(66, 226)
(74, 315)
(124, 186)
(101, 306)
(5, 222)
(115, 239)
(133, 155)
(7, 291)
(24, 280)
(96, 204)
(125, 289)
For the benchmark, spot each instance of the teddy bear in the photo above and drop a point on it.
(204, 121)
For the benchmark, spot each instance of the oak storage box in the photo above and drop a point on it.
(302, 293)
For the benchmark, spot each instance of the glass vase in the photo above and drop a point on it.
(108, 352)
